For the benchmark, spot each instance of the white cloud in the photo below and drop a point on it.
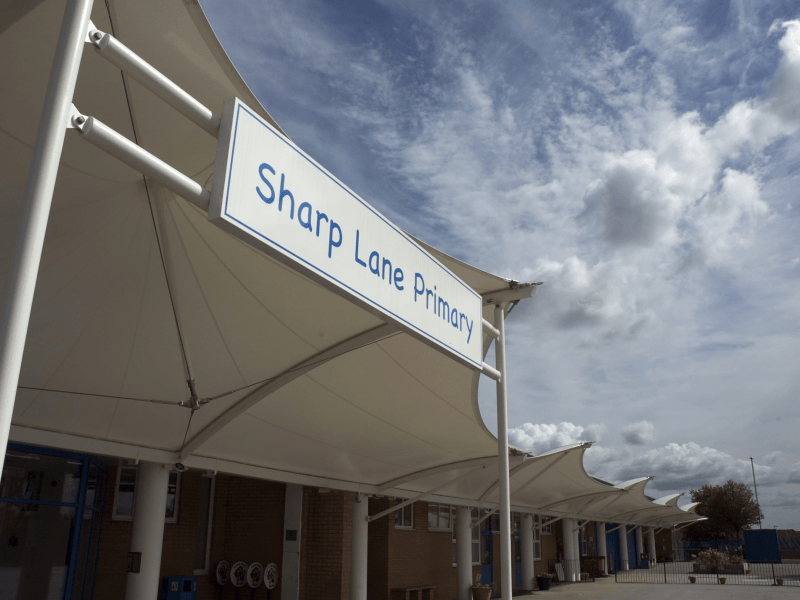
(640, 433)
(675, 467)
(540, 438)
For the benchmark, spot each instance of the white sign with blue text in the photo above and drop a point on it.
(275, 197)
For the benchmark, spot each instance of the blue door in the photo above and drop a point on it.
(612, 547)
(518, 561)
(632, 550)
(487, 576)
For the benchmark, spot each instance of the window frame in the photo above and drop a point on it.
(115, 517)
(438, 506)
(537, 538)
(546, 528)
(475, 515)
(410, 508)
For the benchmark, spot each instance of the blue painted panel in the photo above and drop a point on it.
(633, 552)
(612, 546)
(761, 544)
(487, 571)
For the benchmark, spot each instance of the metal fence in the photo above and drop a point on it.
(748, 573)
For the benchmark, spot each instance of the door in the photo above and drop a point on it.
(486, 557)
(633, 556)
(612, 548)
(517, 561)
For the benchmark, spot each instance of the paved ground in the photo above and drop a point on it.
(605, 589)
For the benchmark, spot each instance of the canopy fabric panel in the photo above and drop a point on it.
(138, 293)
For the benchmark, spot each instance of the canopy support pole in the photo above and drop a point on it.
(601, 545)
(569, 552)
(147, 537)
(651, 543)
(37, 198)
(639, 543)
(464, 552)
(502, 455)
(623, 548)
(526, 543)
(358, 549)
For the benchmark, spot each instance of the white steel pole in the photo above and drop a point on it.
(358, 551)
(622, 532)
(36, 205)
(601, 546)
(639, 544)
(568, 540)
(506, 564)
(576, 546)
(464, 552)
(526, 541)
(651, 544)
(147, 537)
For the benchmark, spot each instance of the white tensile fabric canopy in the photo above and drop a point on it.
(138, 293)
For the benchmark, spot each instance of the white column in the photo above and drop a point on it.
(639, 543)
(576, 542)
(147, 537)
(358, 550)
(623, 547)
(506, 562)
(567, 525)
(651, 544)
(526, 543)
(36, 201)
(464, 552)
(601, 546)
(292, 536)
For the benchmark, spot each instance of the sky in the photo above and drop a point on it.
(638, 157)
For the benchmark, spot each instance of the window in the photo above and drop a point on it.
(202, 548)
(476, 539)
(404, 518)
(583, 541)
(439, 517)
(537, 540)
(546, 525)
(126, 484)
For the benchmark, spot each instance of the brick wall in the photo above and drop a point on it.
(378, 550)
(116, 538)
(421, 557)
(326, 544)
(664, 538)
(247, 525)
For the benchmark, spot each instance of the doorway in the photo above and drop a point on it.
(51, 515)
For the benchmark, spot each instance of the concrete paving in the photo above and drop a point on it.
(606, 589)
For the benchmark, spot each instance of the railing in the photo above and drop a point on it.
(748, 573)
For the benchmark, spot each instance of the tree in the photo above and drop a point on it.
(730, 508)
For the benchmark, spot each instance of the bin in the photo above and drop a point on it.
(543, 583)
(178, 588)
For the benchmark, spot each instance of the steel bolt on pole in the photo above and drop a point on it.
(36, 203)
(502, 456)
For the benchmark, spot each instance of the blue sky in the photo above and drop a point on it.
(639, 157)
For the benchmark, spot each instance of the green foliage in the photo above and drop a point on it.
(718, 557)
(730, 508)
